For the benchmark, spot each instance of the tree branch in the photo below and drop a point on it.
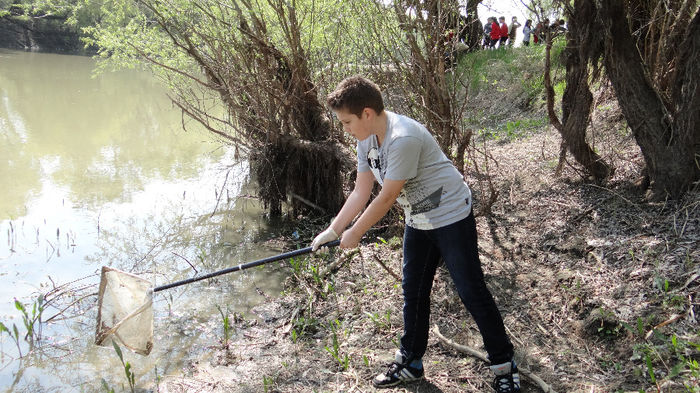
(482, 356)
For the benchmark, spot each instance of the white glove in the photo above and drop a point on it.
(324, 237)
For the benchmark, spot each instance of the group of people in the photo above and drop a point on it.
(496, 31)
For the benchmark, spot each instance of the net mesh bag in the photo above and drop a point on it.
(125, 311)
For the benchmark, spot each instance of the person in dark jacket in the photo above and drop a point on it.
(512, 31)
(487, 33)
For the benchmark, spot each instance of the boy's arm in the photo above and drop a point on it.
(374, 212)
(357, 200)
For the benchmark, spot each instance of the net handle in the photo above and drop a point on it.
(244, 266)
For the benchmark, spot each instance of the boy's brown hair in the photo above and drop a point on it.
(354, 94)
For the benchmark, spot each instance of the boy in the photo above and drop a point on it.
(513, 30)
(487, 33)
(405, 159)
(504, 31)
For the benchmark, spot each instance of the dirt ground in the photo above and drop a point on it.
(582, 272)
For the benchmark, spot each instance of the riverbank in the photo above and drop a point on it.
(46, 35)
(598, 290)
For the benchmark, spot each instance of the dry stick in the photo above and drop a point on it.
(339, 261)
(218, 198)
(67, 307)
(672, 319)
(386, 268)
(473, 352)
(185, 259)
(690, 280)
(307, 202)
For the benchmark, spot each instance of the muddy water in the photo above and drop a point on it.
(99, 171)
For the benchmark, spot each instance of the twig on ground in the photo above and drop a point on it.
(690, 280)
(339, 261)
(671, 320)
(481, 356)
(396, 276)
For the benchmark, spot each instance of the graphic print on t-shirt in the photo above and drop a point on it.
(434, 192)
(429, 203)
(375, 164)
(426, 204)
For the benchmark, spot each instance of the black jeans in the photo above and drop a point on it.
(457, 245)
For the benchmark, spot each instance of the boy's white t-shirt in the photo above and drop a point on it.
(435, 194)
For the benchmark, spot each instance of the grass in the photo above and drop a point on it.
(130, 376)
(32, 322)
(504, 86)
(381, 322)
(334, 349)
(227, 328)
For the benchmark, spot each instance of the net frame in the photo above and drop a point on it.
(125, 302)
(124, 311)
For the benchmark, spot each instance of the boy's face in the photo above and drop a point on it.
(358, 127)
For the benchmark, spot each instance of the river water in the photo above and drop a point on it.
(97, 170)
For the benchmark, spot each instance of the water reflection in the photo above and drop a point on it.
(98, 137)
(98, 171)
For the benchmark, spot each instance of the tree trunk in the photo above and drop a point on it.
(664, 142)
(429, 67)
(686, 93)
(473, 29)
(578, 100)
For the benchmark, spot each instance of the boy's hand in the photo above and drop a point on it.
(350, 239)
(322, 238)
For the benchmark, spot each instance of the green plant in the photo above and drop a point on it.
(512, 128)
(334, 349)
(226, 321)
(14, 335)
(106, 387)
(267, 383)
(381, 322)
(130, 376)
(665, 357)
(297, 264)
(650, 368)
(304, 326)
(32, 322)
(638, 330)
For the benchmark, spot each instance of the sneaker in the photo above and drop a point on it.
(507, 378)
(399, 372)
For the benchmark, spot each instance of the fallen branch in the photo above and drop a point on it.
(396, 276)
(690, 280)
(307, 202)
(339, 261)
(672, 319)
(482, 356)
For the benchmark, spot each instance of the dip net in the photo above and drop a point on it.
(125, 311)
